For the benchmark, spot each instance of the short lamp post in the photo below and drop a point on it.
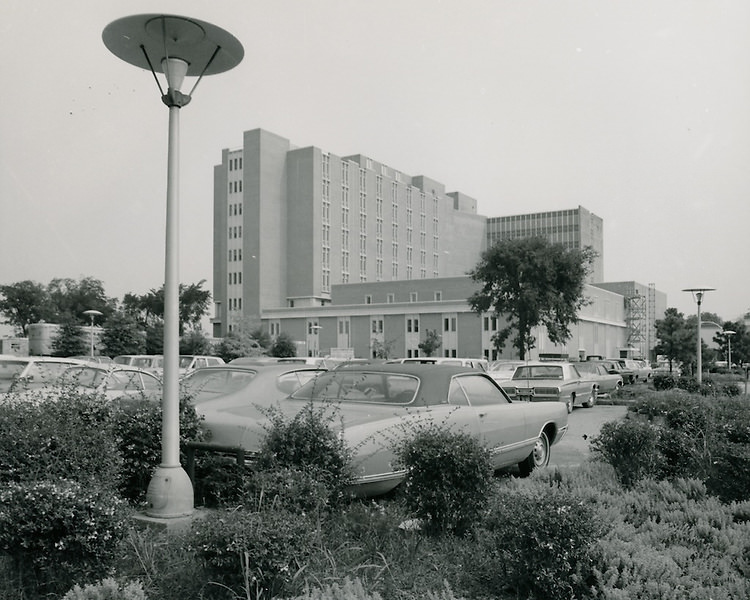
(698, 294)
(92, 313)
(729, 333)
(178, 47)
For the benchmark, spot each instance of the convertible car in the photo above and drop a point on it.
(379, 404)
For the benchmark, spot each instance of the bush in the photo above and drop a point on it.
(307, 442)
(448, 477)
(253, 554)
(107, 589)
(664, 381)
(60, 531)
(290, 489)
(138, 426)
(67, 435)
(631, 447)
(537, 542)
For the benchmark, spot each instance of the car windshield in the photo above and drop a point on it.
(347, 386)
(10, 369)
(212, 382)
(84, 377)
(185, 361)
(539, 372)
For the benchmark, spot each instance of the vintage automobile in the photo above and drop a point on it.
(260, 384)
(551, 382)
(21, 373)
(502, 370)
(606, 382)
(377, 405)
(114, 381)
(617, 365)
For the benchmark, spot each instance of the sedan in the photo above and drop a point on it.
(261, 384)
(21, 373)
(116, 382)
(377, 405)
(552, 382)
(606, 382)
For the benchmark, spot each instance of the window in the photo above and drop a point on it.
(438, 296)
(412, 296)
(377, 325)
(368, 299)
(390, 298)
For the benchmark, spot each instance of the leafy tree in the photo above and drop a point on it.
(195, 342)
(70, 298)
(237, 343)
(382, 349)
(122, 335)
(70, 340)
(740, 341)
(262, 337)
(148, 309)
(24, 303)
(531, 282)
(431, 342)
(676, 338)
(283, 346)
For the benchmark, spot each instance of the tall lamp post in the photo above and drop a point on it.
(698, 294)
(92, 313)
(177, 47)
(729, 333)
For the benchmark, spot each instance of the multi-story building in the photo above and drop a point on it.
(347, 253)
(574, 228)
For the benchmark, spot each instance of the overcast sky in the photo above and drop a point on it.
(638, 110)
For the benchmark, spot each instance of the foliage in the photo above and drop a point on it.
(283, 346)
(531, 282)
(382, 349)
(431, 342)
(253, 554)
(71, 298)
(62, 436)
(195, 342)
(107, 589)
(70, 341)
(138, 426)
(448, 476)
(739, 341)
(236, 344)
(307, 442)
(664, 381)
(630, 446)
(289, 488)
(537, 542)
(58, 531)
(122, 336)
(148, 309)
(24, 303)
(676, 339)
(348, 590)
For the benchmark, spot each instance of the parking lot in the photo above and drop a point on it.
(583, 424)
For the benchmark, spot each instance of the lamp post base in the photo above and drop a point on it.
(170, 493)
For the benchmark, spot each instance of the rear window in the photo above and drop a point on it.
(539, 372)
(346, 386)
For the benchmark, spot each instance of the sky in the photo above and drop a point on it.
(637, 110)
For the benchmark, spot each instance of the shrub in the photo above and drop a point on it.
(448, 477)
(254, 554)
(631, 447)
(664, 381)
(307, 442)
(60, 531)
(138, 426)
(107, 589)
(288, 489)
(537, 542)
(65, 435)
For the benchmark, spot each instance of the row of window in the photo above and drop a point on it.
(235, 164)
(235, 232)
(235, 186)
(390, 297)
(235, 278)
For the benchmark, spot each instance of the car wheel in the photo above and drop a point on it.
(539, 456)
(591, 401)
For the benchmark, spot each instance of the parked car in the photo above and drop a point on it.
(606, 382)
(618, 365)
(188, 362)
(551, 382)
(153, 363)
(261, 384)
(644, 371)
(118, 381)
(378, 404)
(502, 370)
(29, 372)
(94, 359)
(474, 363)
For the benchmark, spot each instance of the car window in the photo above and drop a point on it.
(481, 391)
(46, 371)
(574, 371)
(84, 377)
(150, 383)
(456, 394)
(360, 387)
(10, 369)
(217, 381)
(538, 372)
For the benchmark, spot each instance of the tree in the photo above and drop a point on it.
(148, 309)
(122, 335)
(676, 337)
(24, 303)
(740, 342)
(195, 342)
(431, 342)
(283, 346)
(70, 341)
(531, 282)
(70, 298)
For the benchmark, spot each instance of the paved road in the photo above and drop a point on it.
(583, 424)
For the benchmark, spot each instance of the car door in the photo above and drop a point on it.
(502, 424)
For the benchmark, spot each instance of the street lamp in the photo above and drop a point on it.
(729, 333)
(92, 313)
(698, 293)
(178, 47)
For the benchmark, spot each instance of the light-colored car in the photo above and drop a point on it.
(189, 362)
(606, 383)
(154, 363)
(551, 382)
(473, 363)
(620, 365)
(114, 381)
(502, 370)
(261, 384)
(377, 405)
(30, 372)
(644, 370)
